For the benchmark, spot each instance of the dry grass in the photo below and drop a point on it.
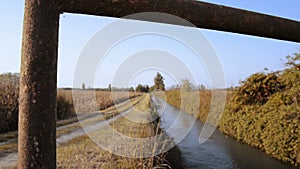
(86, 119)
(9, 95)
(83, 152)
(173, 97)
(90, 100)
(9, 107)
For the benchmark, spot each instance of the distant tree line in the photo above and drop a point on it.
(158, 85)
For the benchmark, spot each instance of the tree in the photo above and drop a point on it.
(202, 87)
(109, 87)
(139, 88)
(159, 82)
(151, 89)
(186, 85)
(83, 86)
(131, 89)
(146, 88)
(142, 88)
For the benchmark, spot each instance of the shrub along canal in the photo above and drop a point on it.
(219, 151)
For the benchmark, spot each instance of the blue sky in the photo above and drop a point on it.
(240, 55)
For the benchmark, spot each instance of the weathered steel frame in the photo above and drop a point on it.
(37, 119)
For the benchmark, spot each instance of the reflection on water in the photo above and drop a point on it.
(219, 152)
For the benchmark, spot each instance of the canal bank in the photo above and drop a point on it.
(219, 151)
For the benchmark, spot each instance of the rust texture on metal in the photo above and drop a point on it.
(201, 14)
(37, 119)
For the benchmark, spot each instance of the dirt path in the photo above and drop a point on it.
(65, 133)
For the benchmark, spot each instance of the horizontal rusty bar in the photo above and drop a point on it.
(201, 14)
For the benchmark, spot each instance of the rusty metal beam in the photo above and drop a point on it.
(201, 14)
(37, 119)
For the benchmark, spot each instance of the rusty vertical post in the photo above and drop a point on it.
(37, 119)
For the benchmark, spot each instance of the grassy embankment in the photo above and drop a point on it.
(9, 96)
(263, 112)
(136, 124)
(65, 110)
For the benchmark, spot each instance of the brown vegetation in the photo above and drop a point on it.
(87, 154)
(9, 101)
(263, 112)
(94, 100)
(174, 98)
(9, 107)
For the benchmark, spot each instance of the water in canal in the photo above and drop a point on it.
(218, 152)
